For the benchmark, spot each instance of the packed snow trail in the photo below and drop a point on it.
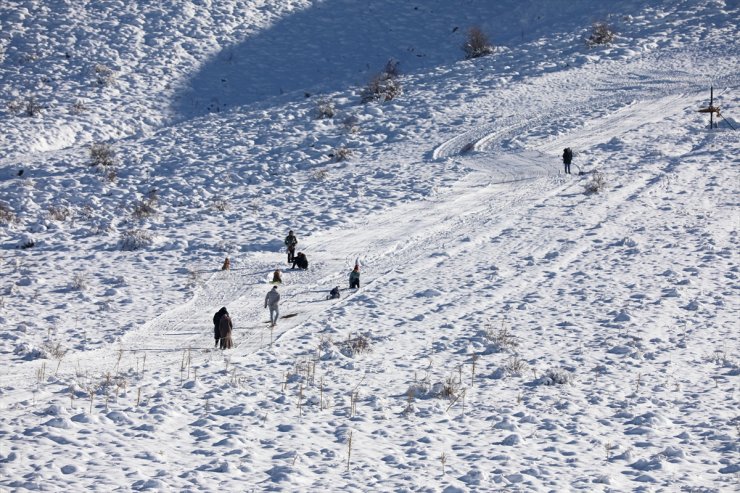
(393, 239)
(385, 242)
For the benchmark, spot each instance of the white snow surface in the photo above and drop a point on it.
(511, 332)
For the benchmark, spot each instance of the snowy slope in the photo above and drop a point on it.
(521, 333)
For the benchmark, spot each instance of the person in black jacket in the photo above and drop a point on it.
(225, 327)
(354, 277)
(301, 261)
(217, 321)
(290, 242)
(567, 158)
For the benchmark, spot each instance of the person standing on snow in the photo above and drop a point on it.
(271, 300)
(290, 242)
(224, 328)
(354, 277)
(216, 321)
(567, 158)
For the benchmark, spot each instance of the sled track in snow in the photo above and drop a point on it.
(433, 228)
(433, 225)
(616, 95)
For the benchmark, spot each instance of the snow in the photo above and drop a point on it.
(511, 330)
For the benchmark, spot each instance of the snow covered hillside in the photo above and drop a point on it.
(517, 328)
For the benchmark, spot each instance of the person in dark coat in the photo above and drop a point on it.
(301, 261)
(290, 242)
(333, 294)
(277, 277)
(567, 158)
(216, 320)
(354, 277)
(224, 328)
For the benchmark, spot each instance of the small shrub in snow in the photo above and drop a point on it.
(110, 174)
(32, 108)
(219, 205)
(136, 239)
(104, 76)
(723, 359)
(6, 215)
(102, 155)
(341, 154)
(15, 106)
(325, 108)
(555, 376)
(601, 34)
(451, 388)
(26, 107)
(59, 213)
(384, 86)
(146, 207)
(143, 209)
(500, 338)
(596, 184)
(79, 281)
(477, 45)
(54, 350)
(320, 175)
(78, 107)
(26, 241)
(354, 346)
(515, 366)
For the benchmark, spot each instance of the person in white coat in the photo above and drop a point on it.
(272, 300)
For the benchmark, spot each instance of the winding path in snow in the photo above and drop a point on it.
(602, 103)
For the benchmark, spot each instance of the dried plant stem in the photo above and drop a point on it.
(349, 449)
(300, 400)
(321, 394)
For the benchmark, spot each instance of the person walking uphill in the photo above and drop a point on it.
(290, 242)
(272, 299)
(567, 158)
(225, 327)
(354, 277)
(216, 321)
